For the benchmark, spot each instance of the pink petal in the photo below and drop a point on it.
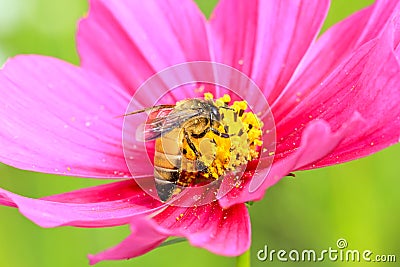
(369, 83)
(58, 118)
(383, 11)
(222, 231)
(106, 205)
(317, 141)
(266, 39)
(145, 236)
(129, 40)
(331, 49)
(125, 189)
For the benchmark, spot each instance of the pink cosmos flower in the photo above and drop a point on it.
(334, 98)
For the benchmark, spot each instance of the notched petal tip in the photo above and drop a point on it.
(65, 126)
(145, 236)
(110, 37)
(317, 141)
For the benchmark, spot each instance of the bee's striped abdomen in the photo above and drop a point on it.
(167, 164)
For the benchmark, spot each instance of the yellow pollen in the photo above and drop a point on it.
(226, 98)
(208, 96)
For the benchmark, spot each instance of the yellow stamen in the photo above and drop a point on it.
(208, 96)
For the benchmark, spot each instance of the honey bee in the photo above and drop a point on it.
(187, 122)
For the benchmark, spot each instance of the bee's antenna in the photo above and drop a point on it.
(229, 108)
(145, 110)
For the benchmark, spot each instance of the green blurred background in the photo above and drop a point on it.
(357, 201)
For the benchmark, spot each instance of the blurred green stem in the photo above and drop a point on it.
(243, 260)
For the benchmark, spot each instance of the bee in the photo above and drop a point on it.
(187, 122)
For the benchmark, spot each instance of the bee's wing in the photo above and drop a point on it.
(154, 113)
(164, 122)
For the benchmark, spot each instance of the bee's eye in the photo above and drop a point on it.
(215, 113)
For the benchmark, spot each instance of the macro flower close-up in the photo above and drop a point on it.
(315, 99)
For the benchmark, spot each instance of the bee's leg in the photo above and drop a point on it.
(191, 145)
(216, 132)
(223, 135)
(200, 166)
(200, 135)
